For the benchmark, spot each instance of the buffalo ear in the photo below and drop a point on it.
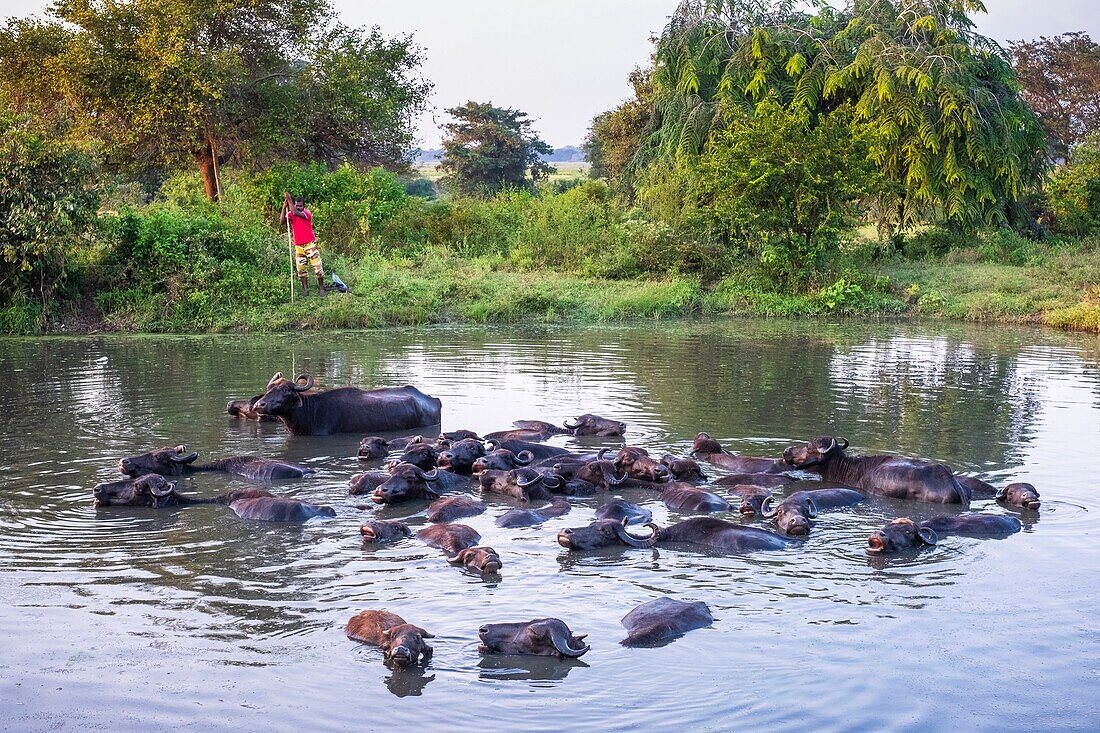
(928, 535)
(424, 634)
(386, 632)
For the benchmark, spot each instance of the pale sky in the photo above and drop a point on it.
(564, 61)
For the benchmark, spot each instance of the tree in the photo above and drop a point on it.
(1060, 77)
(614, 137)
(46, 200)
(1075, 189)
(161, 82)
(491, 148)
(941, 103)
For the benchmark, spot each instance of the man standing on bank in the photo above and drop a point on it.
(305, 242)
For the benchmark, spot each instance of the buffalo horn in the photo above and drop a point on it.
(492, 445)
(843, 442)
(832, 444)
(179, 458)
(524, 457)
(570, 427)
(561, 643)
(302, 387)
(427, 476)
(633, 541)
(766, 510)
(603, 452)
(812, 507)
(163, 492)
(616, 480)
(524, 484)
(552, 482)
(276, 378)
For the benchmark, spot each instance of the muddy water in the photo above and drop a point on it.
(120, 619)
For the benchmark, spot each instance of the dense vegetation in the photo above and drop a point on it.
(881, 158)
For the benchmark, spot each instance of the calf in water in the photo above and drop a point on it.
(904, 533)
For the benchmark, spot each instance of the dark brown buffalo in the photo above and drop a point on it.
(243, 409)
(624, 512)
(454, 435)
(423, 455)
(793, 514)
(384, 530)
(525, 484)
(542, 636)
(411, 483)
(460, 456)
(707, 532)
(660, 621)
(450, 508)
(527, 517)
(480, 559)
(1019, 494)
(901, 478)
(752, 499)
(683, 469)
(530, 430)
(637, 465)
(346, 409)
(764, 480)
(540, 426)
(904, 533)
(710, 451)
(367, 482)
(686, 497)
(502, 460)
(153, 490)
(589, 424)
(538, 451)
(601, 474)
(278, 509)
(373, 448)
(401, 643)
(178, 461)
(449, 537)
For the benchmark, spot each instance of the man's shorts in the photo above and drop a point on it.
(308, 253)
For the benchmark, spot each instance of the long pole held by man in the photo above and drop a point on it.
(303, 243)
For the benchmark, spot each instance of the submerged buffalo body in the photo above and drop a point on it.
(451, 538)
(541, 636)
(450, 508)
(904, 533)
(662, 620)
(155, 491)
(707, 532)
(538, 451)
(623, 512)
(712, 452)
(401, 643)
(762, 480)
(278, 509)
(589, 424)
(685, 497)
(346, 409)
(528, 517)
(793, 515)
(178, 461)
(893, 476)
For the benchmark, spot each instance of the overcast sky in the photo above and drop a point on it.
(563, 61)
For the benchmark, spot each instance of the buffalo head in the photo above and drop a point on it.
(502, 460)
(901, 534)
(373, 448)
(752, 499)
(281, 395)
(406, 483)
(423, 455)
(705, 445)
(815, 451)
(484, 560)
(793, 514)
(543, 636)
(595, 425)
(683, 469)
(380, 530)
(152, 490)
(1021, 494)
(461, 455)
(404, 644)
(165, 461)
(604, 533)
(637, 464)
(600, 473)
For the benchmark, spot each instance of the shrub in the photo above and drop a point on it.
(1075, 190)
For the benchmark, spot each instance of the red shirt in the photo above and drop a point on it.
(302, 227)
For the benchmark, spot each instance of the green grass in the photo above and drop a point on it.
(565, 171)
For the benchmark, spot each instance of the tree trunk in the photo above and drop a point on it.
(204, 156)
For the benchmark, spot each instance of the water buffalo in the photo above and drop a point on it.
(450, 508)
(411, 483)
(763, 480)
(401, 643)
(243, 409)
(752, 498)
(538, 451)
(178, 461)
(384, 530)
(637, 465)
(527, 517)
(422, 455)
(530, 430)
(525, 484)
(685, 497)
(542, 636)
(793, 514)
(479, 559)
(624, 512)
(1019, 494)
(461, 455)
(900, 478)
(346, 409)
(662, 620)
(683, 469)
(540, 426)
(153, 490)
(278, 509)
(589, 424)
(373, 448)
(710, 451)
(904, 533)
(366, 482)
(707, 532)
(449, 537)
(502, 460)
(457, 435)
(599, 473)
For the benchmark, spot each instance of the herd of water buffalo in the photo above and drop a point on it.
(518, 463)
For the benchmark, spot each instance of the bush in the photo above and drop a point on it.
(1075, 190)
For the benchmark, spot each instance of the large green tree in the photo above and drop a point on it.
(614, 137)
(489, 148)
(157, 83)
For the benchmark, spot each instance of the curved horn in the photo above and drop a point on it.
(160, 493)
(832, 444)
(766, 510)
(561, 642)
(552, 482)
(189, 458)
(524, 484)
(812, 507)
(570, 427)
(629, 539)
(427, 476)
(276, 378)
(524, 457)
(617, 480)
(492, 445)
(843, 443)
(603, 452)
(302, 388)
(928, 535)
(1001, 493)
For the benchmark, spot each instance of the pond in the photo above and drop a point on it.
(130, 619)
